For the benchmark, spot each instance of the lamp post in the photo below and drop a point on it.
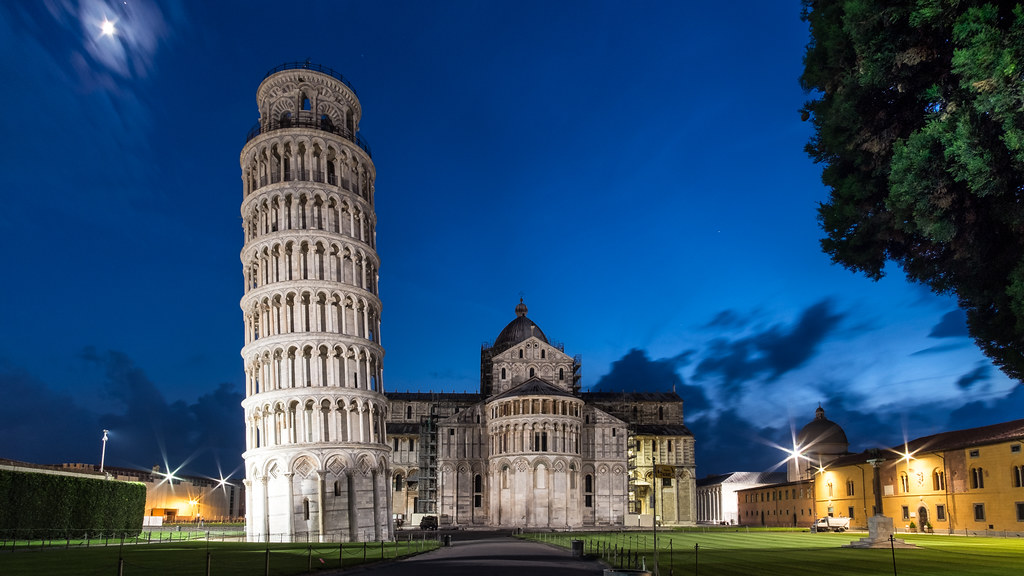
(103, 454)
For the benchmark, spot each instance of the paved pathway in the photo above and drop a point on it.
(492, 556)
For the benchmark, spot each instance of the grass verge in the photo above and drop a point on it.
(768, 553)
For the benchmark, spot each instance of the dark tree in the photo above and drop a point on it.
(918, 110)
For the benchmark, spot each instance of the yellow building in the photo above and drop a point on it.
(965, 481)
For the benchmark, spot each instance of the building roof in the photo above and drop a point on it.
(631, 396)
(944, 441)
(821, 431)
(533, 387)
(470, 397)
(517, 331)
(662, 430)
(759, 478)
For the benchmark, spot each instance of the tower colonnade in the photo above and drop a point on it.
(317, 456)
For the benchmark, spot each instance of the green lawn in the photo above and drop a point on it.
(741, 553)
(189, 558)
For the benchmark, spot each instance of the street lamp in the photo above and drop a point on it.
(103, 454)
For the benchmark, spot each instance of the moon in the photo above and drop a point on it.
(107, 28)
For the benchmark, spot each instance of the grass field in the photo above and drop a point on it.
(190, 557)
(742, 553)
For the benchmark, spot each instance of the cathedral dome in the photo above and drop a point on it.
(822, 435)
(517, 330)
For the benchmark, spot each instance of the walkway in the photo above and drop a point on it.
(493, 556)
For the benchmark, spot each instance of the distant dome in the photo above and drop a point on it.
(822, 435)
(517, 330)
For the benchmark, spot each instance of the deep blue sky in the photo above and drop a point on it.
(636, 171)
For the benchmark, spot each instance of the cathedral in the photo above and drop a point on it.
(531, 450)
(329, 455)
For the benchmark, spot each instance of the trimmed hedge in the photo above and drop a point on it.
(35, 505)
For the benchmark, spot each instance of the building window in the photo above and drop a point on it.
(588, 491)
(305, 509)
(540, 441)
(502, 373)
(1015, 448)
(940, 512)
(451, 431)
(938, 479)
(974, 453)
(906, 512)
(398, 482)
(904, 483)
(395, 440)
(337, 488)
(849, 487)
(1020, 511)
(542, 354)
(666, 482)
(478, 490)
(561, 373)
(669, 446)
(408, 412)
(977, 478)
(412, 445)
(661, 412)
(531, 372)
(979, 512)
(520, 352)
(829, 485)
(613, 429)
(1018, 476)
(850, 510)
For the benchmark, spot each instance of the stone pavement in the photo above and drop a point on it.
(492, 556)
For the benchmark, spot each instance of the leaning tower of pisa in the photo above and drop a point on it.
(317, 462)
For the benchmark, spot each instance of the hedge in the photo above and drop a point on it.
(35, 505)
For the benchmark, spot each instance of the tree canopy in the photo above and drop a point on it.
(918, 111)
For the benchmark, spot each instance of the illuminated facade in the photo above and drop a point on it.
(317, 462)
(532, 450)
(966, 481)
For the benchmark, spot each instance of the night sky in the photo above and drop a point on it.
(634, 171)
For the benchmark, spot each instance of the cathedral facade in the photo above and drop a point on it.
(533, 451)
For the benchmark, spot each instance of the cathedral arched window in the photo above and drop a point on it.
(904, 482)
(938, 479)
(520, 352)
(542, 354)
(561, 373)
(1018, 476)
(408, 412)
(398, 482)
(478, 489)
(502, 373)
(305, 509)
(531, 372)
(588, 491)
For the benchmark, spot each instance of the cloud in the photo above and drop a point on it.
(770, 353)
(979, 374)
(952, 325)
(635, 372)
(991, 411)
(728, 442)
(726, 319)
(206, 436)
